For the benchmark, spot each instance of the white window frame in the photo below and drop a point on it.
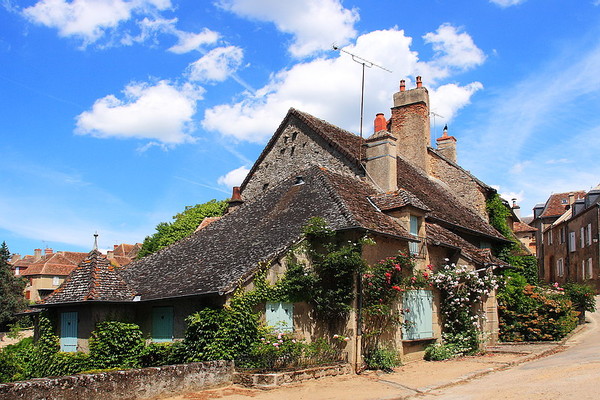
(582, 237)
(560, 267)
(55, 281)
(589, 234)
(590, 270)
(17, 271)
(583, 269)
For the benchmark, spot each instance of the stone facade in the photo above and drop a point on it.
(133, 384)
(293, 150)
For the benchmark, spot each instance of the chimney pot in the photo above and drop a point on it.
(514, 201)
(402, 85)
(236, 195)
(380, 123)
(419, 82)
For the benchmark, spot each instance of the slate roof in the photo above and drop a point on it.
(59, 264)
(523, 227)
(94, 279)
(444, 206)
(397, 199)
(556, 205)
(347, 143)
(438, 235)
(215, 258)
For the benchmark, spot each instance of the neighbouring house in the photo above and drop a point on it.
(570, 249)
(524, 232)
(45, 271)
(393, 187)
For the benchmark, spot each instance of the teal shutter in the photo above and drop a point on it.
(280, 316)
(414, 230)
(68, 331)
(418, 314)
(162, 324)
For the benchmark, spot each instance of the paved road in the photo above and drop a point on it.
(570, 374)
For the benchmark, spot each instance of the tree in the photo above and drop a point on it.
(11, 290)
(184, 225)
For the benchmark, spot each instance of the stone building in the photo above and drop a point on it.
(393, 187)
(569, 250)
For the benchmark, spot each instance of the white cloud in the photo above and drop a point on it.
(454, 49)
(161, 112)
(234, 177)
(189, 41)
(217, 65)
(88, 19)
(314, 24)
(330, 89)
(507, 3)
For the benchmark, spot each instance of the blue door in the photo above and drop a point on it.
(162, 324)
(68, 331)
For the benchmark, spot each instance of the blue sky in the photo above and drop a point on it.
(116, 114)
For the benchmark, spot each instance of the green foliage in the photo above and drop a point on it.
(498, 213)
(11, 290)
(184, 225)
(13, 359)
(156, 354)
(39, 360)
(274, 351)
(68, 364)
(115, 344)
(382, 358)
(582, 296)
(221, 334)
(526, 265)
(440, 351)
(531, 313)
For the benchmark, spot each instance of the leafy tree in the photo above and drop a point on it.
(11, 290)
(184, 225)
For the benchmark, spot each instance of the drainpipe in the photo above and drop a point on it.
(358, 348)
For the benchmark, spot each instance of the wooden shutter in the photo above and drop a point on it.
(280, 316)
(68, 331)
(162, 324)
(418, 314)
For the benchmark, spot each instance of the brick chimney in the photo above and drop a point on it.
(446, 145)
(47, 251)
(37, 254)
(410, 124)
(236, 199)
(380, 156)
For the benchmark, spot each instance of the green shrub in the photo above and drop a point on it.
(440, 351)
(156, 354)
(115, 344)
(581, 295)
(275, 351)
(68, 364)
(383, 358)
(532, 313)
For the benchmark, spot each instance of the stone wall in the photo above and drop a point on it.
(463, 185)
(134, 384)
(296, 149)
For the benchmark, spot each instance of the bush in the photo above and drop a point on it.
(68, 364)
(440, 351)
(581, 295)
(382, 358)
(13, 359)
(156, 354)
(532, 313)
(115, 344)
(275, 351)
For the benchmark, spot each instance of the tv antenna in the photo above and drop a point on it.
(434, 114)
(368, 64)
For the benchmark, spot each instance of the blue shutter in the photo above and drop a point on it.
(418, 318)
(162, 324)
(280, 316)
(68, 331)
(414, 230)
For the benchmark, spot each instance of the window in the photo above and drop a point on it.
(572, 242)
(562, 235)
(550, 236)
(560, 269)
(414, 230)
(589, 273)
(280, 316)
(162, 324)
(418, 314)
(589, 234)
(582, 237)
(17, 270)
(55, 281)
(68, 331)
(583, 269)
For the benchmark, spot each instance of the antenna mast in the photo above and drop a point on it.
(368, 64)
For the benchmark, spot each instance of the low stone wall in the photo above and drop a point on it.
(272, 380)
(133, 384)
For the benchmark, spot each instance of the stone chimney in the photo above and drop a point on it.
(236, 199)
(380, 156)
(516, 208)
(47, 251)
(37, 254)
(110, 254)
(446, 145)
(410, 124)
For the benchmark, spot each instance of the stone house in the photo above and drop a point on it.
(393, 187)
(570, 249)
